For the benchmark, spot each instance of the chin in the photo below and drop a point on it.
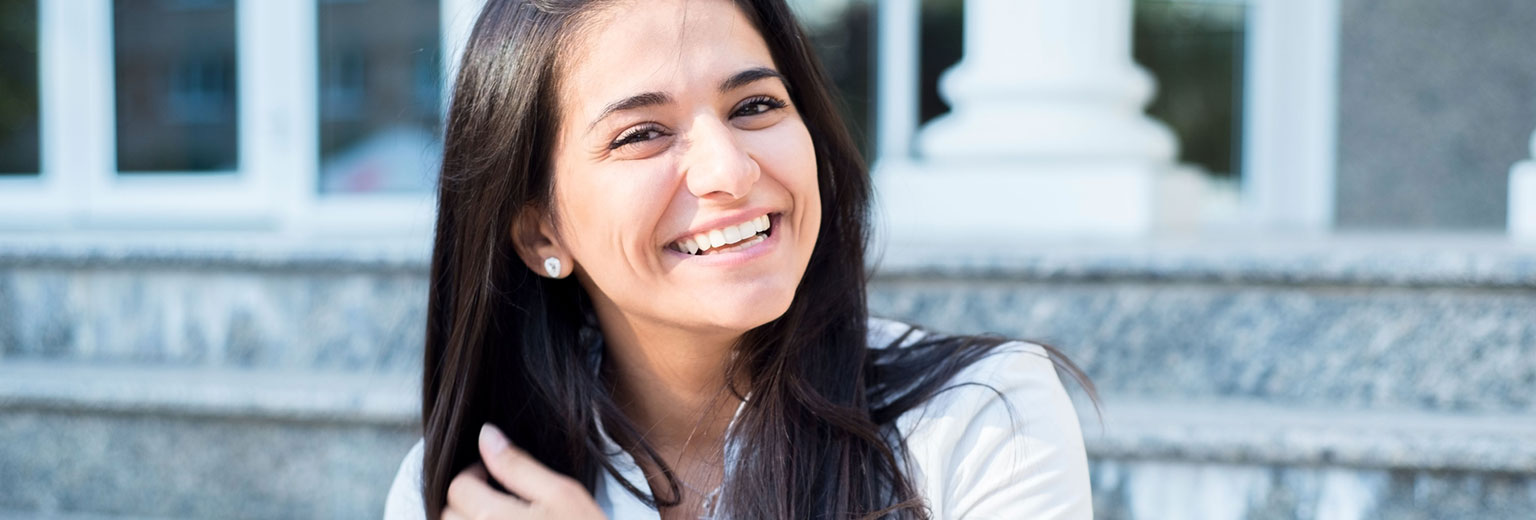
(750, 310)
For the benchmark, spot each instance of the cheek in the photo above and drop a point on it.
(802, 181)
(609, 211)
(788, 154)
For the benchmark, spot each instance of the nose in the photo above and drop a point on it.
(717, 166)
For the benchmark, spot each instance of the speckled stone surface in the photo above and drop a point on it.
(164, 442)
(1370, 377)
(1154, 489)
(1402, 260)
(158, 466)
(1262, 433)
(1434, 323)
(217, 316)
(330, 396)
(1438, 349)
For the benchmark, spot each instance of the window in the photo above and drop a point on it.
(300, 117)
(1195, 49)
(843, 34)
(19, 109)
(175, 86)
(380, 90)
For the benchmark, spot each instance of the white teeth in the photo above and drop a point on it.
(740, 236)
(746, 243)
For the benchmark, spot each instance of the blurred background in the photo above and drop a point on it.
(1292, 241)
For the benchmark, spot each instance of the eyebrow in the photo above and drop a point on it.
(737, 80)
(746, 77)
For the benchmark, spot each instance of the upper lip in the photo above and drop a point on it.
(731, 219)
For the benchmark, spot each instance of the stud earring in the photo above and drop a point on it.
(552, 267)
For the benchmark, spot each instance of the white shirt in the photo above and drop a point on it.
(972, 454)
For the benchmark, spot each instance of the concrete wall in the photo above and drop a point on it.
(1436, 100)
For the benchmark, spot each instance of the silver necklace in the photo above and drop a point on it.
(707, 508)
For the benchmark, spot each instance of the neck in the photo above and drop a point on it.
(671, 383)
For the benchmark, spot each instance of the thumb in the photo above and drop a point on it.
(518, 471)
(492, 441)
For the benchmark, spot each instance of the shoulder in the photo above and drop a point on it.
(1001, 441)
(404, 500)
(883, 332)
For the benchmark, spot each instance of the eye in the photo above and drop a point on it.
(758, 105)
(637, 134)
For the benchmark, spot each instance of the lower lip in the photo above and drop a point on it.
(736, 257)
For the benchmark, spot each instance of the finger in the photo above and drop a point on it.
(471, 494)
(520, 473)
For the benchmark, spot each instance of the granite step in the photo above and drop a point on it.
(1440, 324)
(1234, 431)
(154, 442)
(1445, 325)
(184, 443)
(1235, 459)
(1345, 378)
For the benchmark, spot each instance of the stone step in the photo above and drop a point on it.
(351, 397)
(1446, 325)
(1364, 378)
(1234, 460)
(1441, 323)
(1263, 433)
(152, 442)
(182, 443)
(36, 515)
(244, 306)
(1140, 489)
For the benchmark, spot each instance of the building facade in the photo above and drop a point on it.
(215, 217)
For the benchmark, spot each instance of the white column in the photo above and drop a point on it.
(1046, 137)
(1290, 115)
(1522, 197)
(896, 98)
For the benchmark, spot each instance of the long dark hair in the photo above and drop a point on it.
(817, 437)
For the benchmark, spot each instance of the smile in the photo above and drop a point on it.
(727, 239)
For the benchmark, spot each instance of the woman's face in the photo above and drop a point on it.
(684, 180)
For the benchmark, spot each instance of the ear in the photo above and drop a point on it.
(534, 238)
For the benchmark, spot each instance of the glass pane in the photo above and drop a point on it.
(379, 92)
(174, 64)
(18, 88)
(843, 33)
(942, 34)
(1195, 50)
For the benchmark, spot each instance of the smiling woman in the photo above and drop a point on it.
(649, 273)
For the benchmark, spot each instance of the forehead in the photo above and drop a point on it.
(657, 46)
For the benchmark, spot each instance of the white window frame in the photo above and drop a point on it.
(276, 186)
(42, 201)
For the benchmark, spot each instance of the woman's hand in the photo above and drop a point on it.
(540, 493)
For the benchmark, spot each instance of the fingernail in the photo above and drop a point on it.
(491, 439)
